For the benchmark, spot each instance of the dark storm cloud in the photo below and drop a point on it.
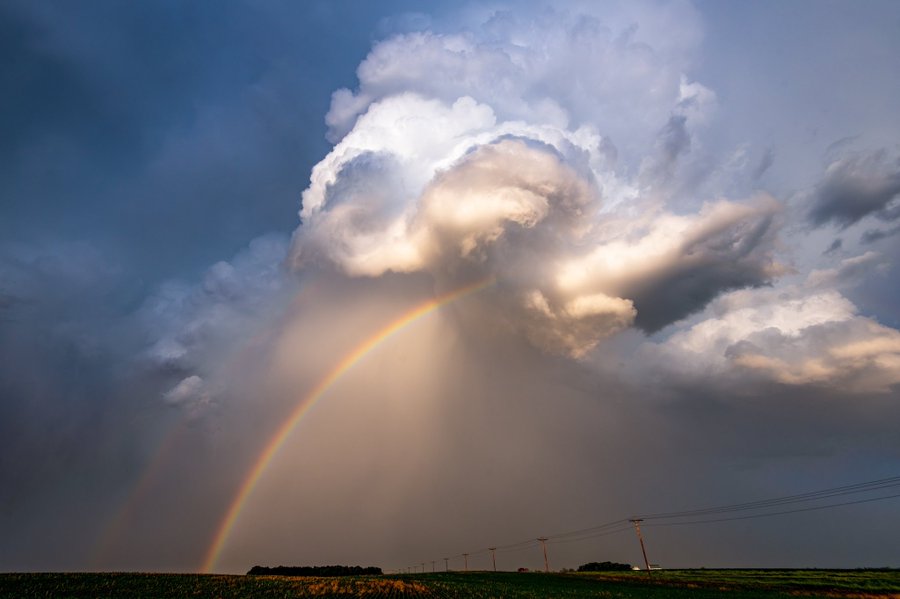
(856, 186)
(734, 258)
(61, 358)
(90, 390)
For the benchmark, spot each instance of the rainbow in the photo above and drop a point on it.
(164, 454)
(114, 528)
(309, 400)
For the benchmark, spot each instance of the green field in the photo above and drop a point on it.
(698, 584)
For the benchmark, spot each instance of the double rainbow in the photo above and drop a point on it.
(308, 401)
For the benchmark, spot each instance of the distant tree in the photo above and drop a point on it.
(315, 571)
(604, 567)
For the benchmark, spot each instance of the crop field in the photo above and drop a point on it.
(874, 582)
(696, 584)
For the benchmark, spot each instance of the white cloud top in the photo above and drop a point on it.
(556, 153)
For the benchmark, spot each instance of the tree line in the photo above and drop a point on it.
(314, 570)
(604, 567)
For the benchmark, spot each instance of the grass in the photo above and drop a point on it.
(874, 582)
(675, 584)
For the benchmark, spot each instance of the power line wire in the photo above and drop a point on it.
(767, 514)
(798, 498)
(615, 526)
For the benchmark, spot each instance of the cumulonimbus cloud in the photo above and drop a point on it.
(489, 168)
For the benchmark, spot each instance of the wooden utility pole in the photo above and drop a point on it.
(637, 529)
(493, 551)
(466, 558)
(543, 541)
(446, 564)
(432, 566)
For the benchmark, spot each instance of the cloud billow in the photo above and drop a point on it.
(477, 163)
(802, 335)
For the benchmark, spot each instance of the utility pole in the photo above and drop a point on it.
(543, 541)
(637, 529)
(493, 551)
(466, 558)
(432, 566)
(446, 564)
(423, 567)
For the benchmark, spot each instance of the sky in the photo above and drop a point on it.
(382, 283)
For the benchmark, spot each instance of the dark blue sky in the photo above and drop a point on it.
(168, 134)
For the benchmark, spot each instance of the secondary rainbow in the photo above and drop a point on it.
(284, 431)
(156, 466)
(115, 527)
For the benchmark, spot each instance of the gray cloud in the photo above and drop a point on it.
(765, 162)
(848, 273)
(732, 253)
(837, 244)
(191, 331)
(673, 142)
(856, 186)
(875, 235)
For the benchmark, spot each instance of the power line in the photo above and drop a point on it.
(875, 485)
(516, 546)
(616, 526)
(767, 514)
(599, 528)
(590, 536)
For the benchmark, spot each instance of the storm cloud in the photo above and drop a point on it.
(523, 189)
